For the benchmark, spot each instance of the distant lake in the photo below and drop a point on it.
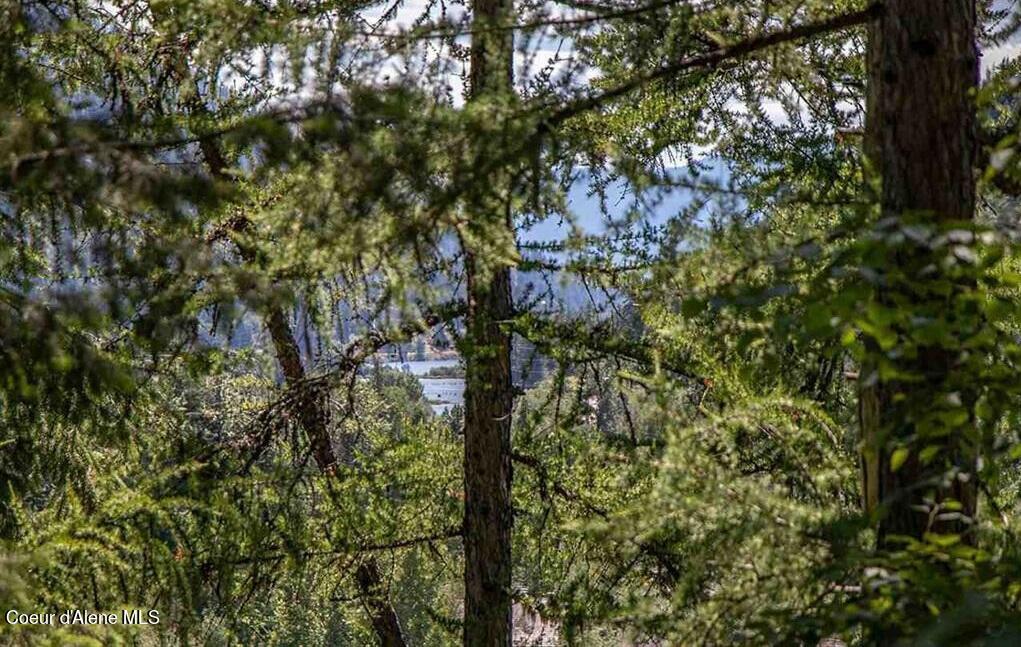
(422, 367)
(448, 390)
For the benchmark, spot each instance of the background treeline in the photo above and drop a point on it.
(781, 339)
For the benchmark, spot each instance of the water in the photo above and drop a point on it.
(448, 389)
(441, 392)
(421, 367)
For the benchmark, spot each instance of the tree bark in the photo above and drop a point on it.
(487, 467)
(488, 386)
(921, 141)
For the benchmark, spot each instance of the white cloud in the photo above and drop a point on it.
(993, 56)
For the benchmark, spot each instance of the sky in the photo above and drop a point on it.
(542, 51)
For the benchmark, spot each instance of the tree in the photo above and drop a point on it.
(311, 409)
(921, 138)
(669, 203)
(488, 395)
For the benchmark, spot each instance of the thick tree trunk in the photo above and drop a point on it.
(487, 467)
(921, 141)
(488, 386)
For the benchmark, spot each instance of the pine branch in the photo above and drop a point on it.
(712, 60)
(446, 31)
(600, 339)
(284, 115)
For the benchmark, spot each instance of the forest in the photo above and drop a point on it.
(599, 323)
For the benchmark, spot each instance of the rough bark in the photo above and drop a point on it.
(488, 386)
(487, 466)
(921, 141)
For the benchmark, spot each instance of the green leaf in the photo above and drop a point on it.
(898, 457)
(929, 453)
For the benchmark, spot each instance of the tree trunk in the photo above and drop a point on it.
(313, 416)
(487, 468)
(488, 386)
(921, 141)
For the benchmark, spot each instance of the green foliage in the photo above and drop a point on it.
(188, 187)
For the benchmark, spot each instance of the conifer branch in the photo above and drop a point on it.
(711, 60)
